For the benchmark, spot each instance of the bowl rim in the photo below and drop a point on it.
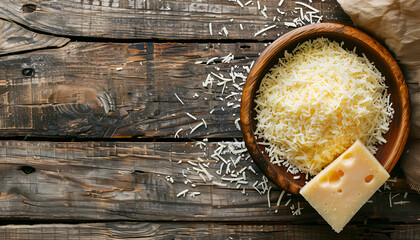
(277, 47)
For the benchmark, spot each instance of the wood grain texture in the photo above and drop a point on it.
(14, 38)
(145, 19)
(158, 230)
(121, 181)
(387, 154)
(77, 91)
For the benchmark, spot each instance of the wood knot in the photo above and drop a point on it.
(27, 169)
(29, 8)
(78, 102)
(29, 72)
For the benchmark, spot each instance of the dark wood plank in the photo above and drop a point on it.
(14, 38)
(159, 230)
(128, 181)
(170, 19)
(78, 91)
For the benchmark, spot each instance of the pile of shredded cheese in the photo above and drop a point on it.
(316, 102)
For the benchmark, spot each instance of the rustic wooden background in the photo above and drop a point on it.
(86, 146)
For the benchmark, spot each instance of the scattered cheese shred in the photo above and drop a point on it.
(179, 99)
(264, 29)
(280, 197)
(195, 128)
(182, 193)
(317, 101)
(191, 116)
(177, 132)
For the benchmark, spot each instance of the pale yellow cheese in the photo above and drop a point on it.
(344, 186)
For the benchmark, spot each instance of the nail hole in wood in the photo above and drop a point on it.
(29, 72)
(28, 8)
(27, 169)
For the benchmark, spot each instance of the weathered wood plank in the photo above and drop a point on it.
(154, 230)
(14, 38)
(170, 19)
(128, 181)
(78, 91)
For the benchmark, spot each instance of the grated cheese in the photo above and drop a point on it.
(204, 122)
(211, 60)
(219, 184)
(182, 193)
(195, 128)
(177, 132)
(193, 194)
(401, 202)
(316, 102)
(191, 116)
(280, 197)
(308, 6)
(240, 3)
(237, 124)
(179, 99)
(264, 29)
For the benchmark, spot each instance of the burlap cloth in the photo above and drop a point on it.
(397, 23)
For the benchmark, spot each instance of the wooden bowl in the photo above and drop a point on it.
(387, 154)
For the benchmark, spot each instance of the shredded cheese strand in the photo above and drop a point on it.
(317, 101)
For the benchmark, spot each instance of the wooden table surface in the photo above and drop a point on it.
(89, 114)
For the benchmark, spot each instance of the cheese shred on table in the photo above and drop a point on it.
(317, 101)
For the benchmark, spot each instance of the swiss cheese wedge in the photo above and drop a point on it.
(344, 186)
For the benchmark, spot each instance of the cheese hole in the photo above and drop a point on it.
(334, 177)
(341, 173)
(369, 178)
(348, 159)
(347, 156)
(323, 179)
